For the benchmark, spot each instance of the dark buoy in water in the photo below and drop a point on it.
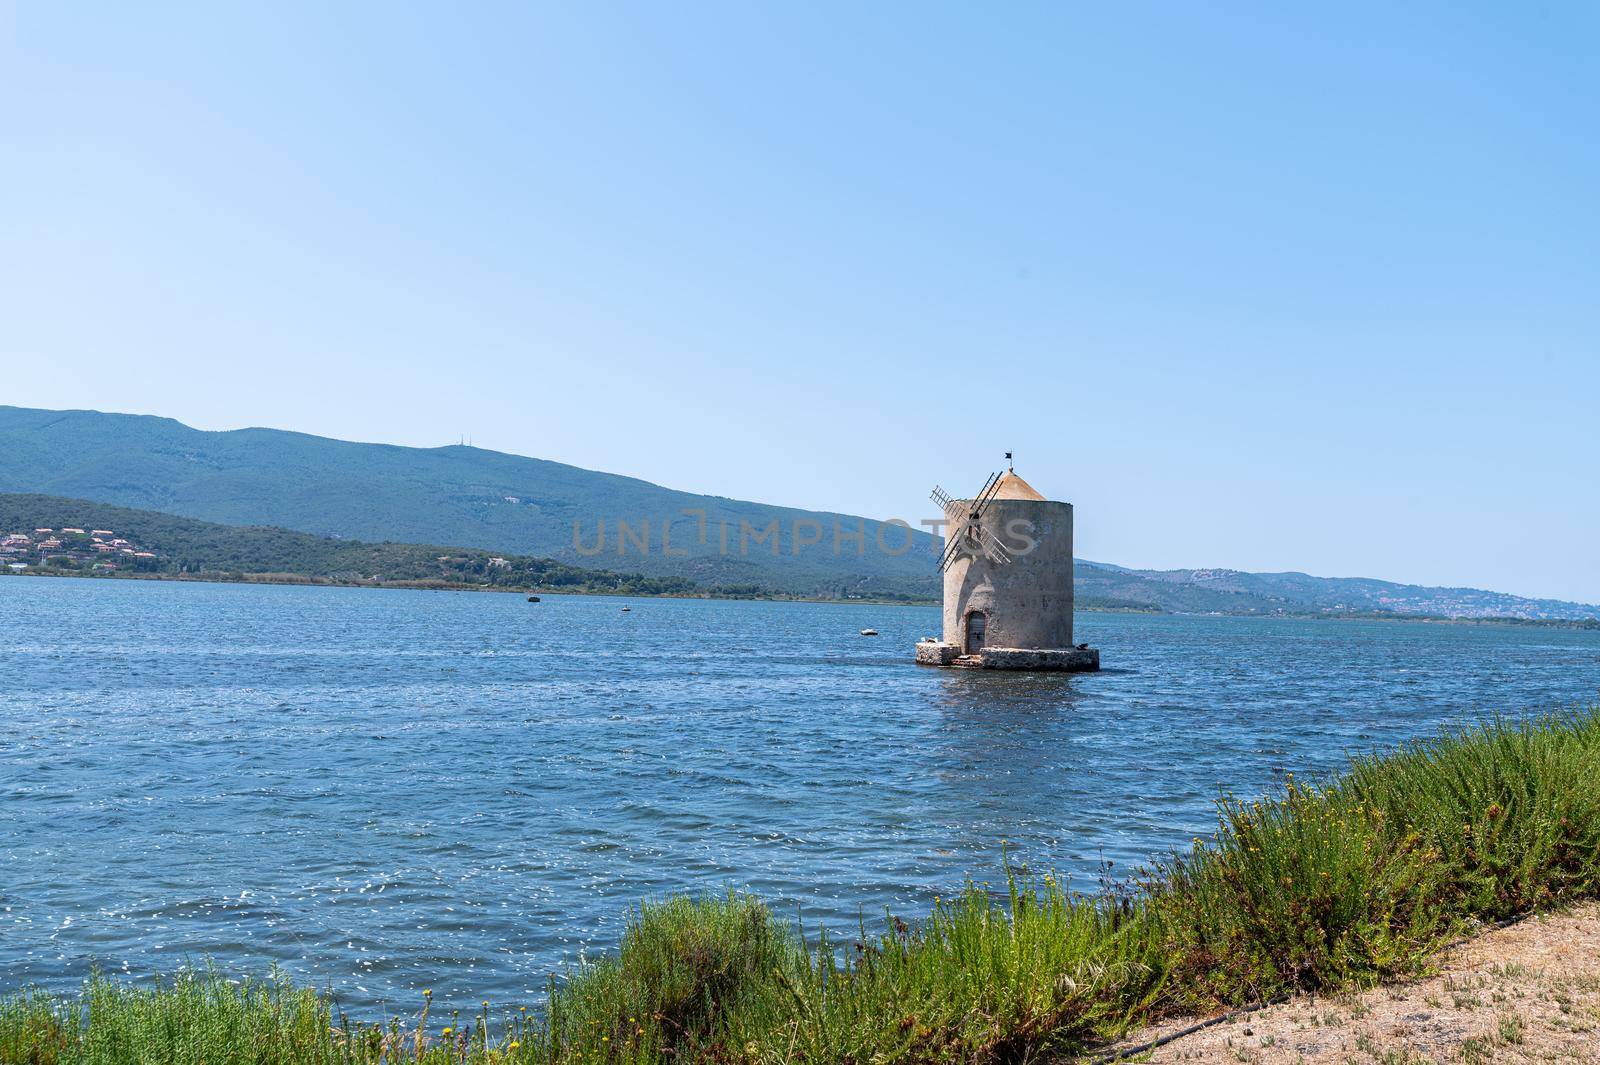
(533, 599)
(869, 632)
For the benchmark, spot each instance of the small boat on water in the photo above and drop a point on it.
(626, 609)
(533, 599)
(869, 632)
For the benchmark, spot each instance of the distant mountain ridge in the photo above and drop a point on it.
(492, 501)
(1229, 591)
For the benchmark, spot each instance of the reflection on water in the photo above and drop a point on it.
(383, 791)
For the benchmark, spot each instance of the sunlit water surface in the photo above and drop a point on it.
(381, 791)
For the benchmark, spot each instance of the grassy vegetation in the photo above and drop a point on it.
(1343, 883)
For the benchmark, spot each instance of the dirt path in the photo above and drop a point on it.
(1530, 992)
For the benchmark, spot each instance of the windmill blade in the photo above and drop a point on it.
(989, 483)
(986, 542)
(952, 547)
(964, 523)
(993, 547)
(963, 519)
(990, 489)
(953, 511)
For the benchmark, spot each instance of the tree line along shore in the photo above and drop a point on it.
(52, 536)
(47, 536)
(1324, 886)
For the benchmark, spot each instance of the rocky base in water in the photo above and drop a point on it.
(1058, 660)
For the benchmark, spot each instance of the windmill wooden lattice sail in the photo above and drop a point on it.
(964, 524)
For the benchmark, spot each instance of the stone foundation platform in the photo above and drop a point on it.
(1059, 659)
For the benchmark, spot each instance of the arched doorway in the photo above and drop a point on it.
(977, 624)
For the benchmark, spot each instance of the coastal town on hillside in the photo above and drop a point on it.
(72, 548)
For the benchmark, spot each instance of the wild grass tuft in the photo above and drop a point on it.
(1323, 886)
(687, 973)
(196, 1016)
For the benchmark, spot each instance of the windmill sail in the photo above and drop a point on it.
(986, 495)
(992, 547)
(964, 524)
(951, 507)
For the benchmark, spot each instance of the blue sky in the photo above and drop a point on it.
(1254, 285)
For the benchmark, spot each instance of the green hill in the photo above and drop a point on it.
(450, 495)
(488, 502)
(166, 545)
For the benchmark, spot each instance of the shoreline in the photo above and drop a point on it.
(299, 580)
(1571, 624)
(1363, 880)
(1527, 990)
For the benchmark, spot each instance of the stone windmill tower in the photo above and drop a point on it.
(1007, 581)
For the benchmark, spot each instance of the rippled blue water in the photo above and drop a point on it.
(382, 791)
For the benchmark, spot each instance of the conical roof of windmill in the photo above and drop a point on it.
(1014, 487)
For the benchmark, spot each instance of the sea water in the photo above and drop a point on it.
(380, 791)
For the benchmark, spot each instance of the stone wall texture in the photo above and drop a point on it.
(1028, 601)
(1067, 660)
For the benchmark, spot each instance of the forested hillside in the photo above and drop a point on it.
(488, 503)
(174, 546)
(450, 495)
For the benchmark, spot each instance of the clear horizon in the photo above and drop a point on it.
(1253, 288)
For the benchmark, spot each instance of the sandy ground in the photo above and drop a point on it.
(1530, 992)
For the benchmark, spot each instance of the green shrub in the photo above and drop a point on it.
(982, 978)
(685, 970)
(1301, 894)
(1512, 808)
(195, 1017)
